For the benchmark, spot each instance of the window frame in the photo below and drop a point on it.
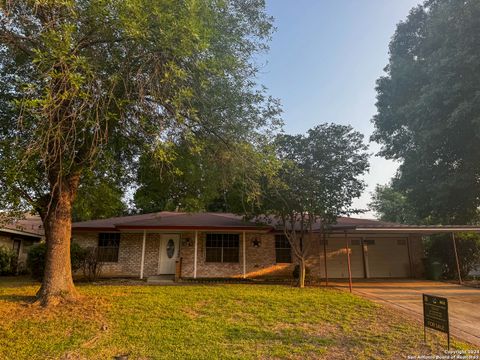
(103, 254)
(222, 238)
(283, 238)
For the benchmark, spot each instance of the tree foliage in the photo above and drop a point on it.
(392, 205)
(210, 177)
(87, 84)
(317, 181)
(440, 248)
(99, 198)
(428, 110)
(8, 261)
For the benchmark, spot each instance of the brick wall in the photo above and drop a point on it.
(260, 261)
(129, 254)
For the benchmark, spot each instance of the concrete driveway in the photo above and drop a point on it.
(406, 295)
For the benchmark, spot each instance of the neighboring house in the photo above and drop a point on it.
(219, 245)
(20, 235)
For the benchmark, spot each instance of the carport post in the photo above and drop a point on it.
(195, 255)
(456, 258)
(348, 262)
(325, 258)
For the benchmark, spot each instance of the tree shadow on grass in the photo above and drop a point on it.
(26, 299)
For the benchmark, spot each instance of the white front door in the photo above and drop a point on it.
(168, 253)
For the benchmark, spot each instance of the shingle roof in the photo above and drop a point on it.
(208, 220)
(30, 225)
(171, 220)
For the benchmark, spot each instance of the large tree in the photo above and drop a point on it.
(317, 180)
(86, 82)
(392, 205)
(211, 177)
(429, 110)
(99, 197)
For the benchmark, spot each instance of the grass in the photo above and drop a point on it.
(205, 322)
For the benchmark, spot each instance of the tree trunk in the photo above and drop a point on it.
(57, 285)
(301, 279)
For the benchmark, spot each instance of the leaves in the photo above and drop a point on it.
(391, 205)
(87, 85)
(317, 180)
(428, 110)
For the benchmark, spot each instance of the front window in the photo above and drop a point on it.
(222, 248)
(283, 250)
(108, 246)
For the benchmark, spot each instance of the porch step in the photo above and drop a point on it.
(161, 279)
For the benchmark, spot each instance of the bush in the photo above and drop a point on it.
(440, 248)
(296, 272)
(91, 266)
(37, 255)
(36, 260)
(8, 261)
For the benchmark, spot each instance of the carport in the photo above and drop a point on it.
(376, 256)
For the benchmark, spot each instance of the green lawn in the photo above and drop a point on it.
(205, 322)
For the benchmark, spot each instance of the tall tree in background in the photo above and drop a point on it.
(99, 197)
(85, 82)
(210, 177)
(429, 110)
(317, 181)
(392, 205)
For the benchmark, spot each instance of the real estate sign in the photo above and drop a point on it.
(435, 314)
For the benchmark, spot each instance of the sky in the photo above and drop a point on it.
(324, 59)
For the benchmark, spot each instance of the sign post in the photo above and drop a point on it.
(435, 315)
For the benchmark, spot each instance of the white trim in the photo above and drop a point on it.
(244, 240)
(142, 264)
(195, 255)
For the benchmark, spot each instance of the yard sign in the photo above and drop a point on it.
(435, 315)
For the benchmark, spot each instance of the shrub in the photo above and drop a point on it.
(37, 255)
(78, 256)
(8, 261)
(296, 272)
(36, 260)
(91, 266)
(440, 248)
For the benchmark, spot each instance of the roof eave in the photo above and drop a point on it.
(418, 230)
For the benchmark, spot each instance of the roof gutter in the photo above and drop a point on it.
(18, 232)
(422, 230)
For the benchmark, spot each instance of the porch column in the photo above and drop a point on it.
(244, 239)
(456, 258)
(348, 262)
(142, 265)
(195, 255)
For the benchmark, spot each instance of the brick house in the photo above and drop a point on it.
(220, 245)
(20, 235)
